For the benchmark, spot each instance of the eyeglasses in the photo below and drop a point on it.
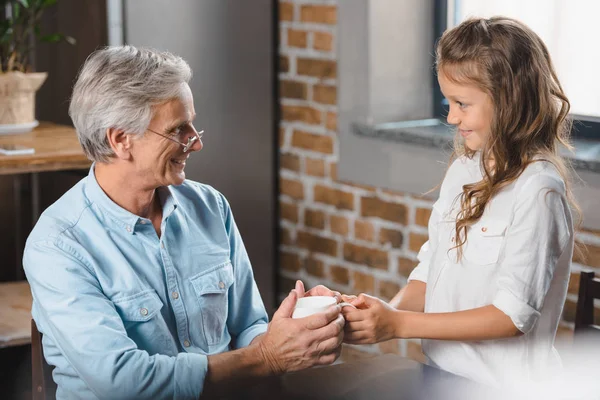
(186, 146)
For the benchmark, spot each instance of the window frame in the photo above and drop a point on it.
(584, 126)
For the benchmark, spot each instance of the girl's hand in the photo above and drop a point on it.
(373, 321)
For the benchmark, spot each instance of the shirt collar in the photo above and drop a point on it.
(123, 218)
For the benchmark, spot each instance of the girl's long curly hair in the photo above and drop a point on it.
(509, 62)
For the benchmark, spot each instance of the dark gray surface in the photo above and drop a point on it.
(228, 44)
(383, 377)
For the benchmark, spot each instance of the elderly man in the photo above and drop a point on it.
(141, 283)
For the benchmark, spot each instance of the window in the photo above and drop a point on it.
(565, 27)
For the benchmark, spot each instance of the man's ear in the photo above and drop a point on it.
(120, 142)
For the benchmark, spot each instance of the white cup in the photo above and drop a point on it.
(310, 305)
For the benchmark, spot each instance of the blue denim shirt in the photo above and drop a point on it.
(128, 315)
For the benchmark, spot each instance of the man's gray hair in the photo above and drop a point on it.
(117, 87)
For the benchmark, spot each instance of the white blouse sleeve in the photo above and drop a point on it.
(536, 238)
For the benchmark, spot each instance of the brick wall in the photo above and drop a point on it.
(351, 238)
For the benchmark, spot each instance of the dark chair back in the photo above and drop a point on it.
(589, 289)
(43, 386)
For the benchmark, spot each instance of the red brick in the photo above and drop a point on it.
(284, 64)
(405, 266)
(422, 216)
(322, 41)
(364, 230)
(286, 11)
(316, 68)
(331, 121)
(281, 137)
(315, 268)
(317, 243)
(318, 14)
(314, 218)
(363, 283)
(289, 261)
(367, 256)
(313, 142)
(391, 236)
(296, 38)
(314, 167)
(292, 188)
(285, 236)
(415, 241)
(304, 114)
(333, 171)
(292, 89)
(339, 225)
(375, 207)
(339, 274)
(289, 161)
(387, 290)
(288, 211)
(325, 94)
(335, 197)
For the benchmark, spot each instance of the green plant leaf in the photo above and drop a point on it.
(52, 38)
(48, 3)
(25, 3)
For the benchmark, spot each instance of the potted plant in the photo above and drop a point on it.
(19, 28)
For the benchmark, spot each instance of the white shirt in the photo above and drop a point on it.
(517, 257)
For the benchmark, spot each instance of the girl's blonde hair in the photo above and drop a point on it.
(509, 62)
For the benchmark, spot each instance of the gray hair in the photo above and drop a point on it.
(118, 87)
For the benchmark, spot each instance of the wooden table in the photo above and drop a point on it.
(379, 378)
(15, 314)
(56, 149)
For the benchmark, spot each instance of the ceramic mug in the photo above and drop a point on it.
(310, 305)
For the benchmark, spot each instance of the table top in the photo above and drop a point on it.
(56, 149)
(382, 377)
(15, 314)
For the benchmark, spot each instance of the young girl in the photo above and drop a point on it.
(489, 289)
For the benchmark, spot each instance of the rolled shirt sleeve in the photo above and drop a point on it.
(537, 237)
(87, 329)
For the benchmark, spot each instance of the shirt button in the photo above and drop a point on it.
(221, 285)
(144, 311)
(143, 222)
(483, 229)
(162, 245)
(186, 343)
(128, 228)
(175, 295)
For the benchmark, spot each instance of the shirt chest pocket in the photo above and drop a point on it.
(212, 290)
(484, 241)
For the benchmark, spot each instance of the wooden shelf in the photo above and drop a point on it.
(56, 149)
(15, 314)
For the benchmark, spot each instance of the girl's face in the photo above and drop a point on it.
(471, 110)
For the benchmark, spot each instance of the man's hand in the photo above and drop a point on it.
(373, 320)
(319, 290)
(295, 344)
